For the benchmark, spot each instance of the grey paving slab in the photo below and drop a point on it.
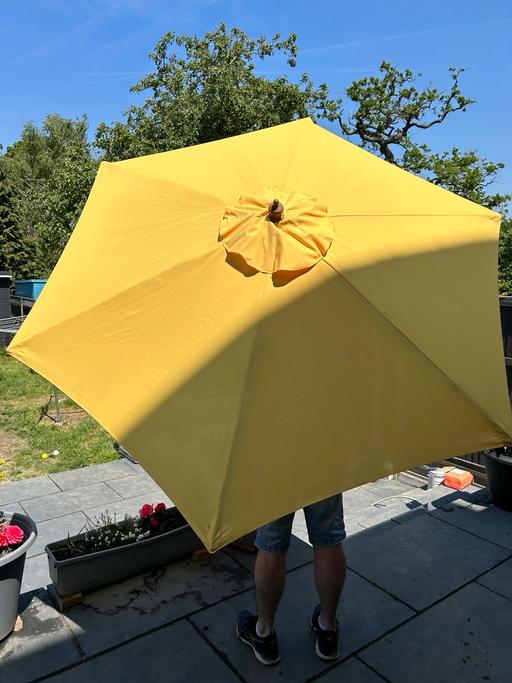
(440, 496)
(66, 502)
(36, 574)
(413, 479)
(366, 613)
(175, 653)
(44, 644)
(14, 491)
(56, 529)
(393, 510)
(357, 498)
(499, 579)
(386, 487)
(466, 637)
(135, 466)
(135, 606)
(299, 528)
(12, 507)
(129, 506)
(134, 485)
(418, 501)
(421, 560)
(300, 553)
(83, 476)
(351, 671)
(485, 521)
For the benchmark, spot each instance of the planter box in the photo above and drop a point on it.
(11, 572)
(499, 479)
(89, 572)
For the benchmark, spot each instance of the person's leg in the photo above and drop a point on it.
(269, 576)
(257, 630)
(326, 531)
(330, 573)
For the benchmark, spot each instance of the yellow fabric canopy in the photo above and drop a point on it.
(254, 366)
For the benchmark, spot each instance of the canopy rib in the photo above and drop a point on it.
(502, 428)
(295, 153)
(495, 216)
(102, 302)
(214, 522)
(209, 198)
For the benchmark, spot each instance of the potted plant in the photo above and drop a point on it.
(17, 533)
(498, 466)
(115, 550)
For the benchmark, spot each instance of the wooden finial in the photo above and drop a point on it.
(275, 211)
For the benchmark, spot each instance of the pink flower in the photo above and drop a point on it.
(146, 510)
(154, 522)
(3, 539)
(160, 507)
(13, 534)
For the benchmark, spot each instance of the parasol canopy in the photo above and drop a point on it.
(269, 319)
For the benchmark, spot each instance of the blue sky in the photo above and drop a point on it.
(81, 56)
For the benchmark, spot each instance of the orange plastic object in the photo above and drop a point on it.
(458, 479)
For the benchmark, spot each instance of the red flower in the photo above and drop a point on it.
(146, 510)
(160, 507)
(154, 522)
(13, 534)
(3, 539)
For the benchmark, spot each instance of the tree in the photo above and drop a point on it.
(464, 173)
(390, 108)
(49, 173)
(206, 88)
(505, 257)
(17, 255)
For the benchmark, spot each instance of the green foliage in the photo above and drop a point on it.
(463, 173)
(17, 251)
(47, 175)
(505, 257)
(390, 107)
(206, 88)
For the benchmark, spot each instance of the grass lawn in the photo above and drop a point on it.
(25, 435)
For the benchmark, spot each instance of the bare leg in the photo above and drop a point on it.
(269, 576)
(330, 573)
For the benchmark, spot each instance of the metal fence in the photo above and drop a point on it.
(9, 327)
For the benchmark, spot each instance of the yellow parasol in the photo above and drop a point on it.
(266, 320)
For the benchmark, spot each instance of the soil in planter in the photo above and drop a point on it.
(121, 533)
(6, 551)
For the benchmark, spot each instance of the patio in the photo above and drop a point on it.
(428, 596)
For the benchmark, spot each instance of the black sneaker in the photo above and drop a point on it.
(266, 649)
(326, 641)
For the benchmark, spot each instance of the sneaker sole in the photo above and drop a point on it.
(326, 658)
(266, 662)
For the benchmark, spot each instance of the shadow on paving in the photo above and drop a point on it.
(431, 579)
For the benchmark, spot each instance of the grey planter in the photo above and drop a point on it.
(498, 467)
(11, 572)
(88, 572)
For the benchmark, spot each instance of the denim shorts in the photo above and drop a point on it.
(326, 527)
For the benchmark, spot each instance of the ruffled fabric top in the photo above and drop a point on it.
(297, 242)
